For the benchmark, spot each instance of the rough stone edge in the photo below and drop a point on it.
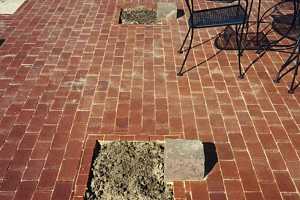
(204, 177)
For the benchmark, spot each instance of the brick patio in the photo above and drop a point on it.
(69, 74)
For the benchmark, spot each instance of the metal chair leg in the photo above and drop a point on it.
(290, 59)
(239, 51)
(297, 64)
(293, 86)
(180, 50)
(294, 56)
(180, 73)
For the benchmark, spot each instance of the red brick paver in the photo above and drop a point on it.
(69, 74)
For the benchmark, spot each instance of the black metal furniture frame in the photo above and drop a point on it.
(275, 45)
(294, 59)
(293, 48)
(216, 17)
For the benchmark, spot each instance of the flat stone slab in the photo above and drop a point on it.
(166, 10)
(184, 160)
(8, 7)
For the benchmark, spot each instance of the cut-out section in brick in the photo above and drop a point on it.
(148, 15)
(128, 170)
(138, 15)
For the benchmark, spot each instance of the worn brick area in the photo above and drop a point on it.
(69, 74)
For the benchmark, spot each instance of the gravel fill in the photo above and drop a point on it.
(129, 171)
(138, 15)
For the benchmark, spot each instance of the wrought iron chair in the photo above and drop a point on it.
(293, 59)
(282, 23)
(216, 17)
(287, 25)
(292, 32)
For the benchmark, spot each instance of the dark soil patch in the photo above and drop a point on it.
(138, 15)
(128, 170)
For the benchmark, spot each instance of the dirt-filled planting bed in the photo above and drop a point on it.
(128, 170)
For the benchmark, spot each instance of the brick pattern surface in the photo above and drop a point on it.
(69, 74)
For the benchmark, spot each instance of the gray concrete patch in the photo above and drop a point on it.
(184, 160)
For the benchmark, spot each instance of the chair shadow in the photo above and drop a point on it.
(283, 26)
(229, 44)
(204, 61)
(201, 43)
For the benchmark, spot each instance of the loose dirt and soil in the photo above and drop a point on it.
(138, 15)
(129, 171)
